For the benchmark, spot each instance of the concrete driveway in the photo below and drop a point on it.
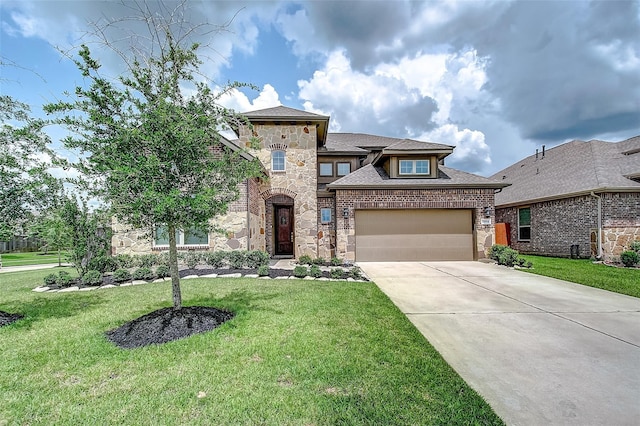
(539, 350)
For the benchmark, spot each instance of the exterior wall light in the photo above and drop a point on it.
(345, 212)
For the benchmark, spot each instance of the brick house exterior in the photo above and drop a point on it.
(340, 194)
(580, 198)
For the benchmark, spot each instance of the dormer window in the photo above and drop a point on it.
(414, 167)
(277, 161)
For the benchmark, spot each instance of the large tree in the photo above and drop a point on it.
(25, 183)
(152, 149)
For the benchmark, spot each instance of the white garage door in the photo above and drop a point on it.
(414, 235)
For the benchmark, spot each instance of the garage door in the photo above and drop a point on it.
(411, 235)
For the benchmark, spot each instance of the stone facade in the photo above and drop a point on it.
(298, 180)
(474, 199)
(556, 225)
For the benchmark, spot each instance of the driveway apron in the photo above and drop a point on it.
(539, 350)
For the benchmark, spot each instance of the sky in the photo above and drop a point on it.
(496, 79)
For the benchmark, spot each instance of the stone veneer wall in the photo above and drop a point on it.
(299, 178)
(558, 224)
(353, 199)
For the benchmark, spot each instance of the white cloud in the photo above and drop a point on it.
(238, 101)
(472, 154)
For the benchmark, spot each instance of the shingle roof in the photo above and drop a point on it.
(370, 176)
(283, 112)
(360, 142)
(569, 169)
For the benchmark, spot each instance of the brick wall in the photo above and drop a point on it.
(327, 231)
(558, 224)
(353, 199)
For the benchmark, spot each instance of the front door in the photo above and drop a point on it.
(284, 230)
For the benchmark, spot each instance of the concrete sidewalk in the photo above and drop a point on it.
(29, 267)
(539, 350)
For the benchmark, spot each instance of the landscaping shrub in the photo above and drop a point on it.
(215, 259)
(305, 260)
(496, 250)
(103, 264)
(319, 261)
(143, 273)
(162, 271)
(237, 259)
(504, 255)
(300, 271)
(336, 273)
(355, 273)
(50, 280)
(162, 259)
(336, 261)
(635, 246)
(263, 270)
(92, 277)
(147, 260)
(629, 258)
(121, 275)
(257, 258)
(315, 271)
(124, 261)
(63, 279)
(192, 259)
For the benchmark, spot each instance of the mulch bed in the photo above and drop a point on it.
(6, 318)
(166, 325)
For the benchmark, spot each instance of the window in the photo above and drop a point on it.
(414, 167)
(325, 215)
(524, 224)
(326, 169)
(189, 237)
(344, 169)
(277, 161)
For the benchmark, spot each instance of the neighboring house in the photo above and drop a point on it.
(354, 196)
(579, 196)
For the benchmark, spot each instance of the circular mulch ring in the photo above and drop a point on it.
(6, 318)
(166, 325)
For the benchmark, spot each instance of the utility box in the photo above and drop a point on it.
(503, 234)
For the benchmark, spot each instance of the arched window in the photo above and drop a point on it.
(277, 161)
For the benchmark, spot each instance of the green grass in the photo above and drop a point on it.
(584, 271)
(33, 258)
(297, 352)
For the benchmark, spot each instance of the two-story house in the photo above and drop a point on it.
(354, 196)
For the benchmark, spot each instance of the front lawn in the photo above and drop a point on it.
(297, 352)
(584, 271)
(31, 258)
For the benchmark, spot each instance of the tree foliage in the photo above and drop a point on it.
(51, 228)
(153, 152)
(25, 184)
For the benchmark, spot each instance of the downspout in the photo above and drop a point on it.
(599, 236)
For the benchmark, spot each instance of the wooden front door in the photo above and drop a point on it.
(284, 230)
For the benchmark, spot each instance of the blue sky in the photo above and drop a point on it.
(497, 79)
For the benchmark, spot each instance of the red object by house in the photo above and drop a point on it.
(503, 234)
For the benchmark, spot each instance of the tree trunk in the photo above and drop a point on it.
(173, 268)
(59, 258)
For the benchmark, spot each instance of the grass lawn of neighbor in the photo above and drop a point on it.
(584, 271)
(31, 258)
(296, 353)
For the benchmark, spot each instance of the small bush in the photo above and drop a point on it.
(216, 259)
(319, 261)
(336, 273)
(103, 264)
(257, 258)
(635, 246)
(192, 259)
(121, 275)
(305, 260)
(315, 271)
(336, 261)
(50, 280)
(92, 277)
(143, 273)
(237, 259)
(162, 271)
(124, 261)
(263, 270)
(162, 258)
(63, 279)
(355, 273)
(504, 255)
(300, 271)
(629, 258)
(496, 250)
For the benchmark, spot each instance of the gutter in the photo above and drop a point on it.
(599, 236)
